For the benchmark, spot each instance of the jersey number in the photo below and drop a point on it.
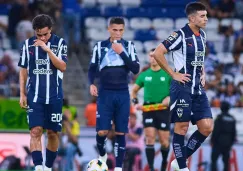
(56, 117)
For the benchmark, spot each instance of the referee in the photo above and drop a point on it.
(156, 83)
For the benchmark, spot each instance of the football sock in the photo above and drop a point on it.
(100, 140)
(150, 153)
(179, 150)
(119, 149)
(194, 142)
(50, 158)
(37, 158)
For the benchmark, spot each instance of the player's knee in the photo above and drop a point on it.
(165, 142)
(36, 132)
(52, 135)
(150, 140)
(103, 133)
(206, 130)
(181, 128)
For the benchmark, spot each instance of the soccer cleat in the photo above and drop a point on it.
(103, 158)
(175, 166)
(39, 168)
(118, 169)
(47, 169)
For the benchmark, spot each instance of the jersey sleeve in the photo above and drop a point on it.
(140, 80)
(63, 51)
(173, 42)
(23, 60)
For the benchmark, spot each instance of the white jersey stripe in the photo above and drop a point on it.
(59, 55)
(28, 58)
(48, 76)
(94, 54)
(23, 56)
(133, 53)
(175, 43)
(37, 75)
(184, 49)
(195, 67)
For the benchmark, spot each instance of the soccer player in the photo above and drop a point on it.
(156, 83)
(188, 100)
(114, 58)
(43, 60)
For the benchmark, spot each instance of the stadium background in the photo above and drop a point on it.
(148, 22)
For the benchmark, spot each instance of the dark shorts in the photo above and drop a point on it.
(159, 119)
(187, 107)
(113, 106)
(48, 116)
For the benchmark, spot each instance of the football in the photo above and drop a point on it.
(97, 165)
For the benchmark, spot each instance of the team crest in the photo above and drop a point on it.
(179, 112)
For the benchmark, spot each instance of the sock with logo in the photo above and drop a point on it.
(119, 149)
(150, 153)
(37, 158)
(100, 140)
(50, 158)
(179, 150)
(194, 142)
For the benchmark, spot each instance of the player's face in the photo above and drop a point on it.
(200, 19)
(43, 34)
(152, 60)
(116, 31)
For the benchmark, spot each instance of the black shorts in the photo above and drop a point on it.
(159, 119)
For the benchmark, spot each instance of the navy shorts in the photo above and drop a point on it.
(187, 107)
(48, 116)
(113, 106)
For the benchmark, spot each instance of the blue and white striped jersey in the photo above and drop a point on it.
(44, 83)
(112, 68)
(188, 52)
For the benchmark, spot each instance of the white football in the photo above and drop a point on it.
(97, 165)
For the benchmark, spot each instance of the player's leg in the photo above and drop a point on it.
(181, 115)
(121, 117)
(202, 116)
(150, 135)
(36, 123)
(105, 110)
(226, 156)
(163, 125)
(53, 126)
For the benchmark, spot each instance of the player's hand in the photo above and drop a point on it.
(166, 101)
(203, 79)
(23, 101)
(117, 47)
(183, 78)
(41, 44)
(93, 90)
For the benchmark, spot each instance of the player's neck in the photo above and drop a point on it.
(194, 28)
(155, 67)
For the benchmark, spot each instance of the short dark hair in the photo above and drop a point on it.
(117, 20)
(41, 21)
(193, 7)
(151, 50)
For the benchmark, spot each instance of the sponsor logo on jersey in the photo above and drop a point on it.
(197, 63)
(42, 61)
(162, 78)
(148, 78)
(43, 71)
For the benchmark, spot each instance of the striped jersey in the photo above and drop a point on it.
(112, 68)
(44, 83)
(188, 51)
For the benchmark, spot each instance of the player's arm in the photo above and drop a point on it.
(93, 67)
(131, 61)
(23, 74)
(173, 42)
(59, 63)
